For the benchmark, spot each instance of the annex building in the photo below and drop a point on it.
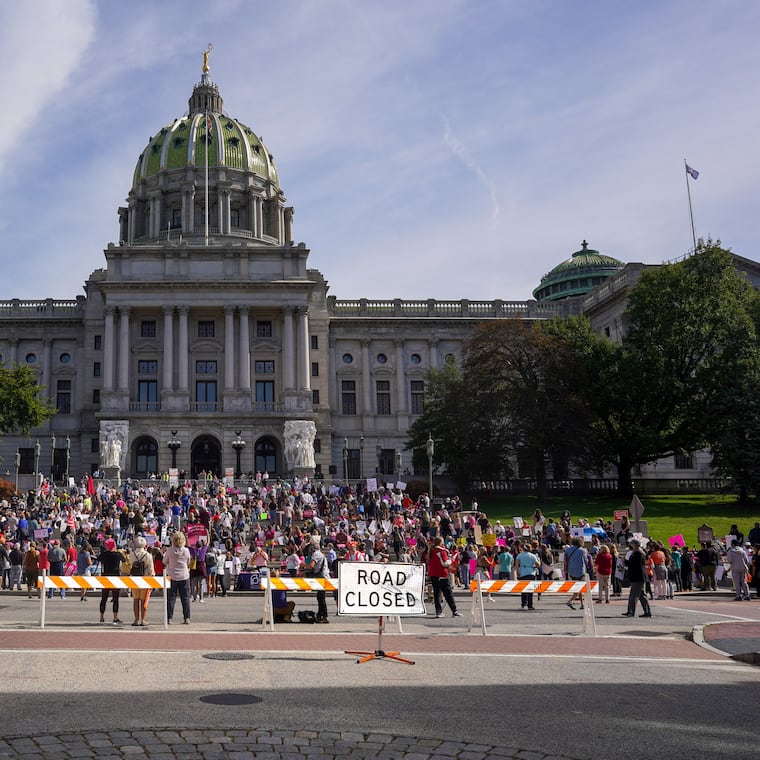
(208, 344)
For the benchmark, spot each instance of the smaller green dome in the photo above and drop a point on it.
(582, 272)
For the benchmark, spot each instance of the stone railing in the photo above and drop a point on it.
(18, 308)
(464, 308)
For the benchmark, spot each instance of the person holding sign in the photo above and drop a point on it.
(438, 564)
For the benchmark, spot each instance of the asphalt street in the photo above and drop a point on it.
(534, 687)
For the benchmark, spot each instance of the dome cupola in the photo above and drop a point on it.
(584, 270)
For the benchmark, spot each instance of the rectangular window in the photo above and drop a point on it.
(147, 395)
(263, 367)
(177, 218)
(383, 396)
(315, 342)
(147, 367)
(234, 217)
(205, 367)
(97, 342)
(205, 328)
(63, 396)
(314, 397)
(684, 461)
(264, 395)
(352, 464)
(387, 462)
(263, 328)
(348, 396)
(417, 388)
(148, 328)
(205, 395)
(317, 446)
(96, 395)
(315, 369)
(94, 446)
(96, 369)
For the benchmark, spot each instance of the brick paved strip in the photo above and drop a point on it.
(141, 640)
(258, 744)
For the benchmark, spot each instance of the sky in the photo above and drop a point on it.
(432, 149)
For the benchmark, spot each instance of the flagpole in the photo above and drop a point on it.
(691, 213)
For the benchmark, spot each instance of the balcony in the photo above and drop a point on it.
(144, 406)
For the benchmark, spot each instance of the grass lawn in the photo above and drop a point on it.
(666, 514)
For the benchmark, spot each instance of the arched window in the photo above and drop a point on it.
(265, 456)
(146, 456)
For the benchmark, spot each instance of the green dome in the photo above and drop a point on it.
(182, 144)
(584, 270)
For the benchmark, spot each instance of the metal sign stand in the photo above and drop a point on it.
(379, 653)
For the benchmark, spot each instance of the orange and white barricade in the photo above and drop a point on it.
(586, 587)
(312, 585)
(80, 582)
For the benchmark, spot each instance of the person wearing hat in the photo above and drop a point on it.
(110, 562)
(141, 561)
(635, 562)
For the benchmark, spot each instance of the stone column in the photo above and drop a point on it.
(183, 352)
(123, 348)
(288, 352)
(288, 224)
(251, 211)
(244, 359)
(108, 351)
(366, 387)
(168, 348)
(434, 353)
(400, 377)
(303, 349)
(47, 353)
(229, 347)
(131, 224)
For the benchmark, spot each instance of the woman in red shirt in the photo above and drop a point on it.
(604, 573)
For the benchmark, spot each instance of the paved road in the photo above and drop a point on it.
(534, 687)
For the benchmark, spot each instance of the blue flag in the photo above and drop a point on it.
(693, 172)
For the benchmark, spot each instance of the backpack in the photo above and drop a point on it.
(307, 616)
(138, 566)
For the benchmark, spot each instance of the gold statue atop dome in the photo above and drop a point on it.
(206, 54)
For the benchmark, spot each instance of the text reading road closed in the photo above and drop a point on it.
(392, 589)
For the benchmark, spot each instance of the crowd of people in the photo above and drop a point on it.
(205, 535)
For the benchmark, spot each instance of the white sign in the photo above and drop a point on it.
(369, 588)
(372, 485)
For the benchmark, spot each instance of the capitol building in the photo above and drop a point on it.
(207, 343)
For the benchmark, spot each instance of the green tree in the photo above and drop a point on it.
(22, 406)
(657, 394)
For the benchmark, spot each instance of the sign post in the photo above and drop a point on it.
(366, 588)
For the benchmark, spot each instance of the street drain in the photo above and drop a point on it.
(230, 699)
(228, 656)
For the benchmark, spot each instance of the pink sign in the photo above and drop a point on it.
(677, 540)
(194, 532)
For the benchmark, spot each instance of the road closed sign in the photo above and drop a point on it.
(369, 588)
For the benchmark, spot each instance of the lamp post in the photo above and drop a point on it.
(238, 444)
(430, 446)
(37, 449)
(361, 457)
(379, 454)
(18, 466)
(174, 444)
(68, 457)
(399, 463)
(345, 459)
(52, 458)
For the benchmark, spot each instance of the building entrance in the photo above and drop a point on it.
(205, 457)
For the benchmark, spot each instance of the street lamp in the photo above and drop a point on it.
(18, 466)
(379, 453)
(361, 457)
(68, 457)
(174, 444)
(430, 446)
(37, 449)
(345, 459)
(399, 462)
(238, 444)
(52, 458)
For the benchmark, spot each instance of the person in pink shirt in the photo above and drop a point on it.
(604, 563)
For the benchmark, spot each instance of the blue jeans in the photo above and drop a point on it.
(183, 589)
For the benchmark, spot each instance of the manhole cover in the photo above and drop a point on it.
(230, 699)
(228, 656)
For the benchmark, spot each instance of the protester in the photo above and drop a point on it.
(635, 562)
(141, 561)
(177, 561)
(110, 561)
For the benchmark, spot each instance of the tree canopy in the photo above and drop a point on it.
(22, 405)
